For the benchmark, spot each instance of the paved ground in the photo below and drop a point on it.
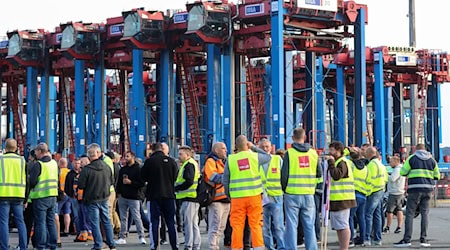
(439, 235)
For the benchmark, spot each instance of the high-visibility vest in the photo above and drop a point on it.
(421, 175)
(360, 180)
(377, 177)
(191, 192)
(245, 179)
(110, 164)
(271, 179)
(343, 189)
(62, 177)
(302, 172)
(13, 176)
(47, 185)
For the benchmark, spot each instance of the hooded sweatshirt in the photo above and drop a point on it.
(301, 147)
(95, 180)
(423, 182)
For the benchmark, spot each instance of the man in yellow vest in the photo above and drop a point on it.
(273, 224)
(242, 181)
(376, 180)
(13, 181)
(342, 192)
(44, 189)
(186, 191)
(298, 180)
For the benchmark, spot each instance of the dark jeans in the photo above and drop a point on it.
(360, 212)
(318, 202)
(421, 200)
(28, 218)
(167, 209)
(44, 210)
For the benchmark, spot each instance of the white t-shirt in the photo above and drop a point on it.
(396, 183)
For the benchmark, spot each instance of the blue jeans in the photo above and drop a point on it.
(165, 207)
(273, 220)
(17, 209)
(44, 210)
(303, 204)
(373, 216)
(96, 212)
(360, 212)
(82, 214)
(75, 211)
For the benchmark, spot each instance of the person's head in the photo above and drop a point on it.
(157, 146)
(10, 145)
(394, 161)
(299, 135)
(336, 149)
(62, 163)
(421, 146)
(220, 149)
(165, 148)
(117, 157)
(355, 154)
(76, 165)
(371, 152)
(265, 145)
(93, 151)
(184, 153)
(130, 157)
(364, 148)
(241, 143)
(84, 161)
(41, 150)
(280, 152)
(32, 156)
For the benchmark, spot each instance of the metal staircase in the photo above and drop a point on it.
(255, 94)
(65, 94)
(123, 89)
(425, 69)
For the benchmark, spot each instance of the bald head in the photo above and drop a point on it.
(370, 152)
(165, 148)
(62, 163)
(11, 145)
(220, 149)
(241, 143)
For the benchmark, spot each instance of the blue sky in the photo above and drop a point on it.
(388, 23)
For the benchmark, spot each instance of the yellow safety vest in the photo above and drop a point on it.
(13, 176)
(302, 172)
(271, 179)
(110, 164)
(377, 177)
(245, 179)
(191, 192)
(343, 189)
(360, 180)
(47, 185)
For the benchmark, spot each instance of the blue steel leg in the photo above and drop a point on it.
(398, 116)
(438, 123)
(319, 98)
(308, 119)
(32, 134)
(213, 103)
(360, 79)
(80, 113)
(138, 106)
(388, 119)
(339, 106)
(43, 100)
(378, 102)
(289, 98)
(351, 120)
(227, 95)
(277, 59)
(268, 100)
(90, 115)
(99, 98)
(165, 72)
(51, 130)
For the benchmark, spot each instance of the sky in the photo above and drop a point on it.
(388, 23)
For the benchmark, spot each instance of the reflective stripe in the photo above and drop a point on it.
(245, 188)
(420, 186)
(341, 191)
(45, 188)
(12, 185)
(301, 176)
(244, 180)
(303, 185)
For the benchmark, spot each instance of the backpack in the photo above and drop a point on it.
(205, 192)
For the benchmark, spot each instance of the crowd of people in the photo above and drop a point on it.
(262, 199)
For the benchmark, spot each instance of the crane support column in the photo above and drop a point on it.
(268, 100)
(80, 113)
(434, 130)
(350, 120)
(308, 109)
(319, 99)
(213, 91)
(166, 81)
(360, 80)
(398, 117)
(99, 106)
(289, 81)
(277, 61)
(339, 106)
(228, 95)
(378, 99)
(47, 121)
(31, 107)
(388, 119)
(138, 106)
(90, 111)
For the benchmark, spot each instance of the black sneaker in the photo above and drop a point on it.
(424, 243)
(402, 243)
(398, 230)
(386, 230)
(351, 244)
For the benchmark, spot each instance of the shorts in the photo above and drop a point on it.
(394, 203)
(339, 220)
(64, 206)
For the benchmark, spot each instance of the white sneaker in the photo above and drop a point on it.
(121, 241)
(142, 241)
